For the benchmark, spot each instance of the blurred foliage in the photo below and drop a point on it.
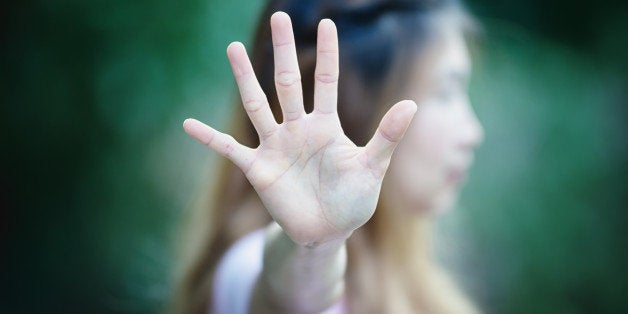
(98, 169)
(546, 204)
(98, 173)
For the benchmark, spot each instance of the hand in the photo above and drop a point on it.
(315, 183)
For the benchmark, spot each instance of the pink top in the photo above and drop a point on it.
(237, 273)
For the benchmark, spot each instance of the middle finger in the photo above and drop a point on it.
(287, 74)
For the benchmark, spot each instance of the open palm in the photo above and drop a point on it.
(315, 183)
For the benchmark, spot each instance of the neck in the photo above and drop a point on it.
(404, 233)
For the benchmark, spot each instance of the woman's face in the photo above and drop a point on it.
(431, 163)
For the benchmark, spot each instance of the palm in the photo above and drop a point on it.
(312, 179)
(314, 172)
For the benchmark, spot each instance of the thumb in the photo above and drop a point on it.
(390, 131)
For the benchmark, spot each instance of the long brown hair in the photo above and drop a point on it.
(389, 265)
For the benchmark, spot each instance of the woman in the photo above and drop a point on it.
(333, 234)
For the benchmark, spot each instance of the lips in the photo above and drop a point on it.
(458, 169)
(456, 175)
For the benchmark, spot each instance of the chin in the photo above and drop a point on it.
(443, 202)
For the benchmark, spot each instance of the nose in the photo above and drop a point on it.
(472, 130)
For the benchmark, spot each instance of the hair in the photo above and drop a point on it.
(390, 269)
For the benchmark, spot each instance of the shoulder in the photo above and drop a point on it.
(237, 273)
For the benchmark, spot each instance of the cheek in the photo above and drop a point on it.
(419, 165)
(418, 161)
(427, 139)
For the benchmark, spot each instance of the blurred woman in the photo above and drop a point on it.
(306, 221)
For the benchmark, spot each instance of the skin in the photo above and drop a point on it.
(431, 163)
(316, 184)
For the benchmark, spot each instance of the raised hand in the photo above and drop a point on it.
(315, 183)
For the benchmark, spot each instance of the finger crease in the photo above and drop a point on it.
(287, 78)
(279, 45)
(253, 106)
(324, 112)
(328, 78)
(326, 51)
(292, 116)
(268, 133)
(228, 150)
(386, 137)
(209, 141)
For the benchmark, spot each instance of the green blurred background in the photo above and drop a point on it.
(97, 172)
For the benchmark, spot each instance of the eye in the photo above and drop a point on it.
(450, 93)
(446, 94)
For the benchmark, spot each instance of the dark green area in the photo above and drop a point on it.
(98, 172)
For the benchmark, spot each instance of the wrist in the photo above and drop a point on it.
(302, 278)
(307, 240)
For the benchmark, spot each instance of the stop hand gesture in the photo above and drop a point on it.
(315, 183)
